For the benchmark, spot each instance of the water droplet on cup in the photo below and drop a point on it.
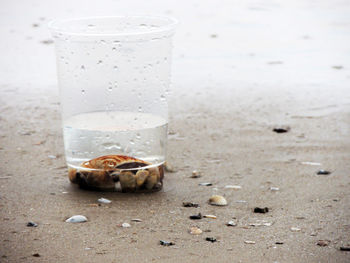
(140, 109)
(110, 88)
(115, 67)
(100, 62)
(132, 142)
(82, 67)
(83, 91)
(162, 97)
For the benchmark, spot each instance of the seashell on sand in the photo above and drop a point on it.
(217, 200)
(76, 219)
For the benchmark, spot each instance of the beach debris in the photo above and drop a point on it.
(231, 223)
(300, 217)
(338, 67)
(217, 200)
(344, 248)
(125, 225)
(166, 243)
(279, 243)
(274, 189)
(323, 172)
(76, 219)
(94, 205)
(195, 230)
(87, 248)
(205, 184)
(282, 129)
(211, 239)
(32, 224)
(323, 243)
(261, 223)
(169, 168)
(311, 163)
(136, 220)
(196, 174)
(235, 187)
(241, 201)
(36, 255)
(261, 210)
(295, 229)
(189, 204)
(196, 217)
(104, 200)
(249, 242)
(210, 216)
(52, 156)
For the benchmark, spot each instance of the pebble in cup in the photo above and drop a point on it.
(114, 76)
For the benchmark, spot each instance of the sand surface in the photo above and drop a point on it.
(240, 69)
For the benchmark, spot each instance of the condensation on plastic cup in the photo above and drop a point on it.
(114, 76)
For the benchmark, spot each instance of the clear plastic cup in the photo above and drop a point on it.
(114, 76)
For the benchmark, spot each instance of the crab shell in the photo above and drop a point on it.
(105, 171)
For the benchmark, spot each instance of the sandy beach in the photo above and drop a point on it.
(239, 71)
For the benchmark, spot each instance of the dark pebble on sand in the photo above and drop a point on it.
(36, 255)
(32, 224)
(190, 204)
(261, 210)
(279, 243)
(195, 217)
(211, 239)
(166, 243)
(281, 129)
(323, 172)
(323, 243)
(344, 248)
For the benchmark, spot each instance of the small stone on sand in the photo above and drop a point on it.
(104, 201)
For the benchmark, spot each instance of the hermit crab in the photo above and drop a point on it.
(103, 173)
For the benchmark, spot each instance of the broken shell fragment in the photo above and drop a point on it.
(217, 200)
(104, 200)
(249, 242)
(210, 216)
(195, 174)
(127, 181)
(195, 230)
(126, 225)
(205, 184)
(295, 229)
(235, 187)
(141, 177)
(231, 223)
(76, 219)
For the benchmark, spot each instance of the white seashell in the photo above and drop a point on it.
(231, 223)
(76, 219)
(217, 200)
(261, 223)
(249, 242)
(235, 187)
(126, 225)
(295, 229)
(104, 201)
(195, 231)
(274, 188)
(210, 216)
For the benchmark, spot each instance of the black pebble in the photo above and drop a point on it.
(279, 243)
(32, 224)
(36, 255)
(166, 243)
(323, 172)
(281, 130)
(211, 239)
(344, 248)
(261, 210)
(195, 217)
(190, 204)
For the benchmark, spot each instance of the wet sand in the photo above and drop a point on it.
(222, 112)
